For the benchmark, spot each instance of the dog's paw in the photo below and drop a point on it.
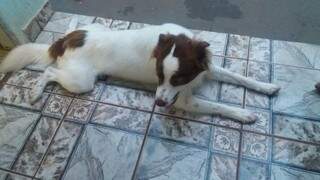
(272, 89)
(34, 96)
(249, 118)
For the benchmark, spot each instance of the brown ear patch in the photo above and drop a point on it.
(193, 59)
(161, 51)
(72, 40)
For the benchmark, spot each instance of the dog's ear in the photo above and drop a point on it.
(164, 46)
(202, 54)
(203, 44)
(165, 38)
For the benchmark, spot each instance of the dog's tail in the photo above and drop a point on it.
(24, 55)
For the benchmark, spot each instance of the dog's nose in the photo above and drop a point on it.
(160, 102)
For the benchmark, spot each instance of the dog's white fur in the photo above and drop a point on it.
(128, 55)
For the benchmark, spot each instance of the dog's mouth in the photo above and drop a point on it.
(173, 101)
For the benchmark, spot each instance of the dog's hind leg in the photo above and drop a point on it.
(74, 81)
(197, 105)
(221, 74)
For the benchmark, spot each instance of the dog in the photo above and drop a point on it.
(168, 55)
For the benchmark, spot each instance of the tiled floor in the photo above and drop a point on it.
(115, 132)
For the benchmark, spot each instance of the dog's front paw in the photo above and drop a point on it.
(249, 118)
(272, 89)
(34, 96)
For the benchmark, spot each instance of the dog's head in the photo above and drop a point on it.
(180, 60)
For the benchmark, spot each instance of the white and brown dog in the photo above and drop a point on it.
(167, 54)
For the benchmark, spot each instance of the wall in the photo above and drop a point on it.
(16, 14)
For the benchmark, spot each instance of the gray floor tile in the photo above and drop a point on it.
(223, 167)
(297, 95)
(60, 21)
(253, 170)
(80, 110)
(16, 125)
(135, 25)
(296, 128)
(19, 96)
(261, 72)
(225, 140)
(117, 25)
(232, 93)
(209, 90)
(297, 54)
(256, 146)
(48, 37)
(295, 153)
(24, 78)
(165, 160)
(217, 41)
(263, 124)
(285, 173)
(238, 46)
(57, 106)
(11, 176)
(180, 130)
(104, 21)
(59, 151)
(104, 154)
(122, 118)
(259, 49)
(30, 157)
(128, 97)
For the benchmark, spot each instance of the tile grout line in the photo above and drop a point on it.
(239, 156)
(51, 142)
(143, 144)
(15, 173)
(183, 118)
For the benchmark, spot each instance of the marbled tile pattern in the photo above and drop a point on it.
(297, 54)
(167, 160)
(263, 124)
(100, 134)
(297, 95)
(296, 128)
(57, 106)
(36, 145)
(11, 176)
(252, 170)
(122, 118)
(19, 96)
(117, 25)
(135, 25)
(223, 167)
(295, 153)
(260, 72)
(180, 130)
(225, 140)
(217, 41)
(128, 97)
(59, 151)
(60, 21)
(15, 126)
(238, 46)
(80, 110)
(232, 93)
(259, 49)
(284, 173)
(104, 153)
(24, 78)
(256, 146)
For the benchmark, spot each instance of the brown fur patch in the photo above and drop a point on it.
(72, 40)
(192, 55)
